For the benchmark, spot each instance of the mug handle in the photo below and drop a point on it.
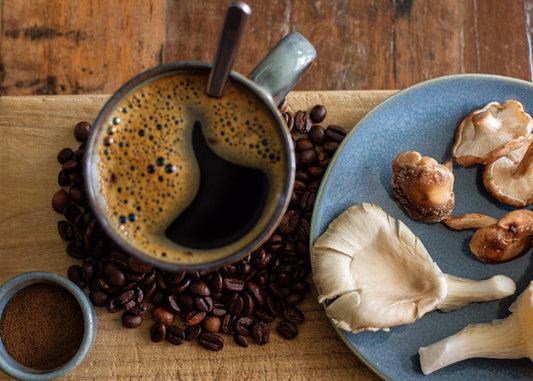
(283, 66)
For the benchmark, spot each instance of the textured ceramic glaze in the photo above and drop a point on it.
(10, 288)
(424, 118)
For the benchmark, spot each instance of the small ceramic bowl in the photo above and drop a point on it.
(10, 288)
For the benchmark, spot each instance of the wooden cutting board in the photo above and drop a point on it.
(32, 131)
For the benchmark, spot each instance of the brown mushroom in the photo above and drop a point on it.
(491, 132)
(510, 178)
(500, 241)
(422, 187)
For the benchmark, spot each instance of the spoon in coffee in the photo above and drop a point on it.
(227, 48)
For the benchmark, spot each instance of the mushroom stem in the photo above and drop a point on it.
(462, 291)
(525, 167)
(470, 221)
(485, 123)
(500, 340)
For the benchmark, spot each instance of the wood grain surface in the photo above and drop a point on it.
(88, 47)
(33, 130)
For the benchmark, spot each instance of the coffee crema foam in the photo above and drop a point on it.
(147, 170)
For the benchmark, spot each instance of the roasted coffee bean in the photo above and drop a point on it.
(194, 317)
(300, 182)
(211, 341)
(172, 304)
(148, 278)
(71, 212)
(243, 325)
(200, 289)
(228, 323)
(289, 120)
(302, 122)
(301, 286)
(232, 285)
(289, 222)
(302, 230)
(158, 298)
(304, 144)
(149, 290)
(219, 309)
(162, 315)
(79, 154)
(293, 315)
(318, 113)
(113, 304)
(234, 304)
(63, 178)
(76, 194)
(264, 315)
(216, 282)
(75, 251)
(98, 298)
(203, 303)
(307, 201)
(331, 146)
(272, 305)
(65, 155)
(276, 291)
(316, 171)
(318, 134)
(192, 332)
(131, 321)
(175, 335)
(89, 268)
(74, 273)
(294, 202)
(248, 304)
(283, 105)
(65, 230)
(180, 287)
(211, 324)
(308, 157)
(81, 131)
(275, 243)
(260, 259)
(75, 177)
(139, 266)
(71, 165)
(294, 298)
(256, 292)
(186, 300)
(323, 159)
(261, 332)
(60, 200)
(335, 133)
(133, 277)
(114, 275)
(158, 332)
(287, 330)
(241, 341)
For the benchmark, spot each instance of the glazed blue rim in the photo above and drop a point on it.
(368, 115)
(10, 288)
(165, 70)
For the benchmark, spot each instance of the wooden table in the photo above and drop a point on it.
(69, 47)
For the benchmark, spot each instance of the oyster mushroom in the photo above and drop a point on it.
(509, 338)
(377, 274)
(422, 187)
(491, 132)
(510, 178)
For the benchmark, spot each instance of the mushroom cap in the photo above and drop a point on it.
(375, 271)
(491, 132)
(507, 239)
(510, 178)
(422, 187)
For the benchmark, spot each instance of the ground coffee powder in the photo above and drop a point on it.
(41, 326)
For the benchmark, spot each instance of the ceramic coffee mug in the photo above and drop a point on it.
(186, 181)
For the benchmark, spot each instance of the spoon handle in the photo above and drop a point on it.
(228, 45)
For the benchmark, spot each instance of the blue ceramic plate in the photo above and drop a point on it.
(424, 118)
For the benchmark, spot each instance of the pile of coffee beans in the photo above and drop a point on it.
(239, 300)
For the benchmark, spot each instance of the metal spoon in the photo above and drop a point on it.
(229, 43)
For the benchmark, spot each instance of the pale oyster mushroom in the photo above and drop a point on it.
(509, 338)
(491, 132)
(510, 178)
(422, 187)
(377, 274)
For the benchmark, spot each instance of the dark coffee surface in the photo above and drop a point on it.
(150, 174)
(228, 204)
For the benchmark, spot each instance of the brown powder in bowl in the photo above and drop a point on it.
(42, 326)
